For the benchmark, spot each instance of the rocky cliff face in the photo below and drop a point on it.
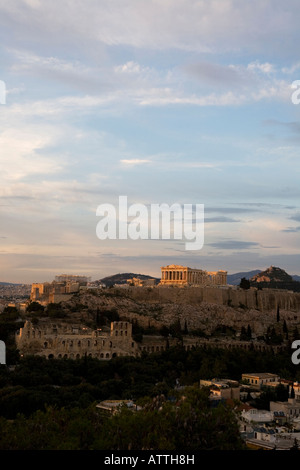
(206, 309)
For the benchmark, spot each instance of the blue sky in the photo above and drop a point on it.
(170, 101)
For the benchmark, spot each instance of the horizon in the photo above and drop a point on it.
(175, 102)
(142, 274)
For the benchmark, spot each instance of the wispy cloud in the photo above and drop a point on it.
(163, 101)
(193, 26)
(234, 245)
(135, 161)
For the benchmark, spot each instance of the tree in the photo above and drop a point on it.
(243, 335)
(285, 329)
(249, 332)
(175, 329)
(195, 426)
(292, 391)
(295, 333)
(246, 334)
(35, 307)
(164, 331)
(245, 283)
(295, 446)
(55, 310)
(278, 314)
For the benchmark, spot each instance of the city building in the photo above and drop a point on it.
(175, 275)
(222, 388)
(256, 417)
(61, 289)
(137, 282)
(290, 408)
(112, 407)
(257, 380)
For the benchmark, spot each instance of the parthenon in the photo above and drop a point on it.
(175, 275)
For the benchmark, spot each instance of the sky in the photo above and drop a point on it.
(161, 101)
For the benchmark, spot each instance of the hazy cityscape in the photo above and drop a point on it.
(149, 203)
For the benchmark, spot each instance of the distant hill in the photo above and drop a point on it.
(121, 278)
(271, 278)
(7, 284)
(235, 279)
(275, 278)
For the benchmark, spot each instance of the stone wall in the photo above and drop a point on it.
(263, 300)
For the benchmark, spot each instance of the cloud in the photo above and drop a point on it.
(296, 217)
(135, 161)
(234, 245)
(220, 219)
(131, 67)
(215, 74)
(205, 26)
(265, 68)
(118, 97)
(233, 209)
(22, 154)
(292, 229)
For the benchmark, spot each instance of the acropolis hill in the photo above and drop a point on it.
(201, 310)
